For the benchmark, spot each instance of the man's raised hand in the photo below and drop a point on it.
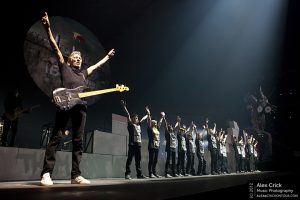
(45, 20)
(123, 103)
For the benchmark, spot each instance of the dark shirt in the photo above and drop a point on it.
(72, 77)
(235, 147)
(12, 102)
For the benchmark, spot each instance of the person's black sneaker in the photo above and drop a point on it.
(141, 176)
(127, 177)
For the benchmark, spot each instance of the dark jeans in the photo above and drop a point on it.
(180, 162)
(78, 117)
(190, 169)
(7, 126)
(255, 163)
(251, 163)
(134, 151)
(170, 155)
(201, 164)
(237, 162)
(214, 160)
(242, 161)
(224, 167)
(153, 156)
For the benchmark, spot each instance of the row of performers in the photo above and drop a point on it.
(180, 141)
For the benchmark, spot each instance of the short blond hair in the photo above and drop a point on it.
(153, 122)
(72, 55)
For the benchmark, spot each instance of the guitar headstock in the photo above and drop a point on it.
(122, 88)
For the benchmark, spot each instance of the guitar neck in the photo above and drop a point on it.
(97, 92)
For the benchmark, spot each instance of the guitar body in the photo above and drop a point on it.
(18, 112)
(66, 99)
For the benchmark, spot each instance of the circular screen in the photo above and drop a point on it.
(42, 63)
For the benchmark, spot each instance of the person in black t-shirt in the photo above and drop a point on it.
(200, 153)
(13, 108)
(190, 150)
(171, 146)
(72, 76)
(212, 147)
(134, 142)
(236, 153)
(182, 148)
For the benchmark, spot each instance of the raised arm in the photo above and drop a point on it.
(53, 44)
(143, 119)
(221, 135)
(212, 131)
(162, 116)
(123, 104)
(149, 116)
(165, 121)
(178, 121)
(110, 54)
(255, 143)
(225, 137)
(215, 128)
(251, 139)
(194, 129)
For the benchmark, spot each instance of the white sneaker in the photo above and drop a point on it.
(80, 180)
(46, 180)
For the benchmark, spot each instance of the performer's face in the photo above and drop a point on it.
(200, 136)
(182, 131)
(154, 123)
(75, 60)
(135, 119)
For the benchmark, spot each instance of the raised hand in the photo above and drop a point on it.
(163, 114)
(45, 20)
(147, 110)
(206, 120)
(111, 53)
(194, 126)
(123, 103)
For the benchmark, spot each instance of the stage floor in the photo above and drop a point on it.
(158, 188)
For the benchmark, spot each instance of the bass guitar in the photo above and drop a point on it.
(66, 99)
(18, 112)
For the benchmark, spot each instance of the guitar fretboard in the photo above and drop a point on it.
(97, 92)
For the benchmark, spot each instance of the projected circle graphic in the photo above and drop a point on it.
(42, 63)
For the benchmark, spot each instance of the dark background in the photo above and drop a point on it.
(191, 58)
